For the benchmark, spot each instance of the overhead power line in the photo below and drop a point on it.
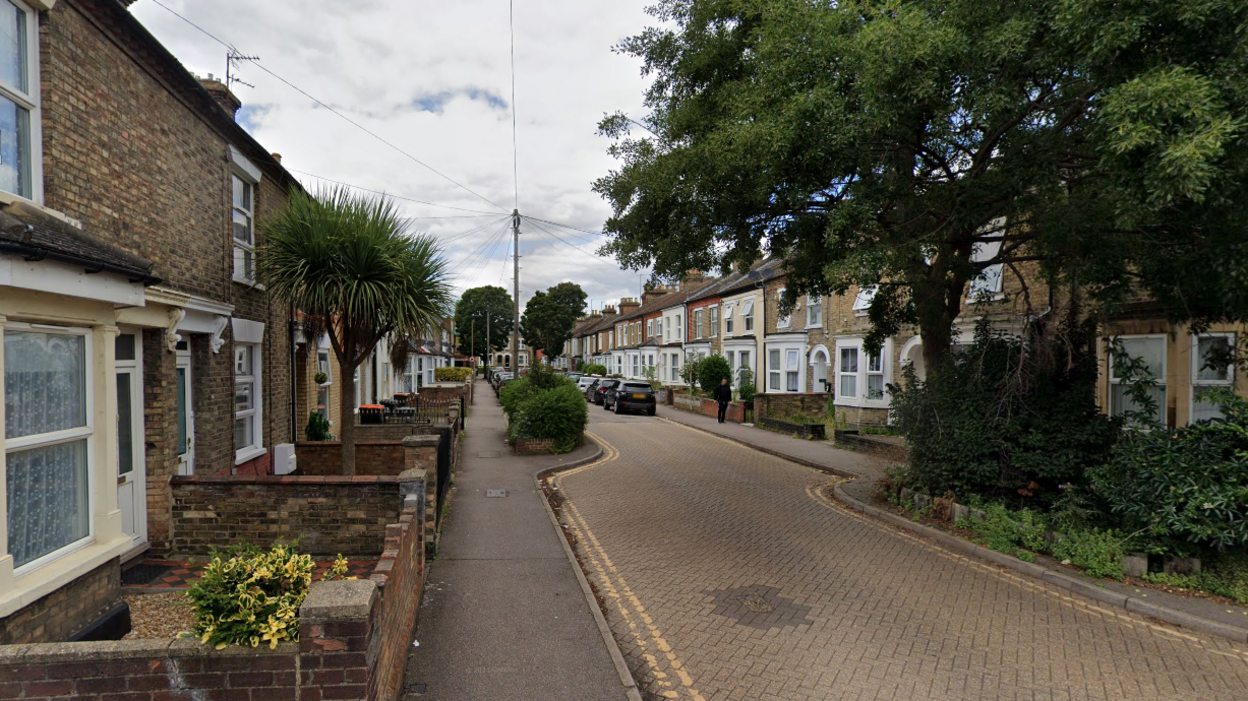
(356, 124)
(478, 212)
(565, 226)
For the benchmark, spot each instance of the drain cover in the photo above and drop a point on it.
(487, 454)
(500, 493)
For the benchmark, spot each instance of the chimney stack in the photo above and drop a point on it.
(277, 157)
(222, 94)
(628, 304)
(652, 293)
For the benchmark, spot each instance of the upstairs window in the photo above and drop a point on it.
(814, 311)
(728, 319)
(714, 322)
(243, 213)
(697, 324)
(784, 320)
(19, 101)
(863, 301)
(987, 285)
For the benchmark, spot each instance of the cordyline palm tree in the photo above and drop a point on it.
(349, 265)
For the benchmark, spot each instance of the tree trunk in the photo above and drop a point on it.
(346, 415)
(938, 303)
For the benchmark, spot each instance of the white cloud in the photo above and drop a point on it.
(434, 78)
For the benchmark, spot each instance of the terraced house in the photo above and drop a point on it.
(138, 344)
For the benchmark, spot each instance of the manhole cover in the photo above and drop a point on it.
(143, 574)
(500, 493)
(759, 607)
(487, 454)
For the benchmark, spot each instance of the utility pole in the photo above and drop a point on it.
(472, 339)
(515, 327)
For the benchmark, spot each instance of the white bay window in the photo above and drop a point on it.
(862, 377)
(48, 431)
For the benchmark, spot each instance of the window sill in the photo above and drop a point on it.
(242, 456)
(248, 283)
(38, 583)
(7, 198)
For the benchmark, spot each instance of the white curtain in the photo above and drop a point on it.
(45, 386)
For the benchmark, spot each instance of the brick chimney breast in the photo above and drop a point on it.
(224, 97)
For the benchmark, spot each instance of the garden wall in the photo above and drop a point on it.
(329, 515)
(354, 638)
(888, 447)
(66, 612)
(708, 407)
(783, 406)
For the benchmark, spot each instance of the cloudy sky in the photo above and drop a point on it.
(434, 79)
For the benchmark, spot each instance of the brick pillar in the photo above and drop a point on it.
(160, 425)
(421, 453)
(339, 640)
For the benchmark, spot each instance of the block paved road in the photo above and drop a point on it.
(729, 574)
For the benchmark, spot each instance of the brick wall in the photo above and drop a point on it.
(325, 458)
(781, 405)
(400, 574)
(336, 657)
(160, 416)
(708, 407)
(65, 612)
(887, 447)
(329, 515)
(148, 171)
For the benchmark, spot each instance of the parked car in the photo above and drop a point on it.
(593, 387)
(599, 392)
(499, 378)
(575, 376)
(583, 383)
(631, 396)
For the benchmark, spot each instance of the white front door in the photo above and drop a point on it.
(131, 470)
(186, 412)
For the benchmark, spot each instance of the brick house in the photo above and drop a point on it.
(137, 342)
(624, 344)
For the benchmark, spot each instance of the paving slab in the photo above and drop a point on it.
(504, 615)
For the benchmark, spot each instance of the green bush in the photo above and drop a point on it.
(451, 374)
(712, 370)
(595, 369)
(317, 428)
(1188, 486)
(545, 404)
(247, 596)
(1006, 418)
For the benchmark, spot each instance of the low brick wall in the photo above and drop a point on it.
(65, 613)
(811, 431)
(858, 417)
(329, 515)
(325, 458)
(400, 575)
(708, 407)
(539, 446)
(888, 448)
(337, 657)
(781, 406)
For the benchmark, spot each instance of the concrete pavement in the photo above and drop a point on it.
(731, 574)
(504, 616)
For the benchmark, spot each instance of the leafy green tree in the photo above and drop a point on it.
(491, 303)
(712, 370)
(912, 144)
(349, 265)
(550, 316)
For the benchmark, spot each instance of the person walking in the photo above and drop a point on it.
(723, 395)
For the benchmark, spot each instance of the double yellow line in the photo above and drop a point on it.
(646, 634)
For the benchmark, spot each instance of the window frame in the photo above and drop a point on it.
(814, 303)
(256, 413)
(238, 245)
(775, 373)
(1162, 409)
(326, 385)
(862, 374)
(783, 321)
(987, 286)
(60, 437)
(697, 324)
(30, 100)
(1197, 384)
(728, 325)
(714, 318)
(862, 300)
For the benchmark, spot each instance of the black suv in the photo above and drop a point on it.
(630, 396)
(599, 393)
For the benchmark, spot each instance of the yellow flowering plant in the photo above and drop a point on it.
(248, 596)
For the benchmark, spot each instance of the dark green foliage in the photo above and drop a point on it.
(1006, 418)
(1189, 485)
(317, 428)
(712, 370)
(549, 317)
(595, 369)
(545, 404)
(1097, 552)
(873, 141)
(492, 309)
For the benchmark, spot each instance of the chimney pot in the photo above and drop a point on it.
(277, 157)
(222, 94)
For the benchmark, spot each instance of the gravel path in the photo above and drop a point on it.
(154, 616)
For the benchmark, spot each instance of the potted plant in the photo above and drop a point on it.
(321, 378)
